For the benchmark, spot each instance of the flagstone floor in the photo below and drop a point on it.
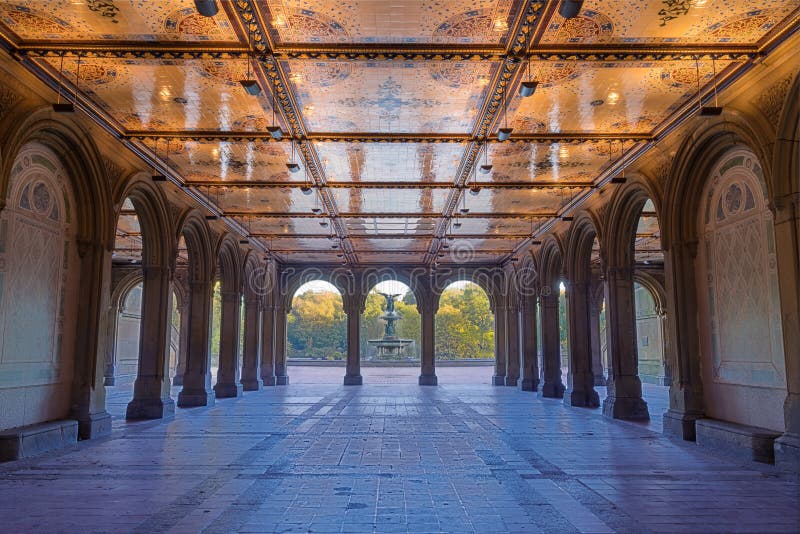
(391, 458)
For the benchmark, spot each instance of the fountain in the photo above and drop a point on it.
(390, 347)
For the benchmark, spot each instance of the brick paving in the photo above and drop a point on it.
(392, 458)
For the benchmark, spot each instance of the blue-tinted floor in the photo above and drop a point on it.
(392, 458)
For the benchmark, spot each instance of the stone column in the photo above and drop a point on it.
(686, 387)
(281, 377)
(151, 398)
(553, 387)
(268, 345)
(580, 380)
(112, 323)
(596, 306)
(530, 361)
(352, 376)
(228, 385)
(427, 375)
(787, 238)
(88, 396)
(251, 355)
(512, 345)
(624, 400)
(197, 390)
(183, 336)
(500, 354)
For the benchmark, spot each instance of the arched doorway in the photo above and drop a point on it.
(316, 334)
(391, 334)
(465, 337)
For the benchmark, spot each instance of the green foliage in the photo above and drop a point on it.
(317, 326)
(216, 323)
(464, 325)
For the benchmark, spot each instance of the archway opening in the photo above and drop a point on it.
(316, 334)
(391, 335)
(464, 335)
(563, 331)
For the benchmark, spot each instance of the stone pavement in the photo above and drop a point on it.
(392, 458)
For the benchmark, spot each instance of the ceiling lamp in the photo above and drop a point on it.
(250, 85)
(504, 134)
(476, 189)
(620, 179)
(708, 111)
(569, 9)
(294, 167)
(157, 175)
(207, 8)
(486, 168)
(274, 130)
(529, 87)
(66, 107)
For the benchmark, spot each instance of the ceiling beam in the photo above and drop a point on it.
(244, 184)
(383, 215)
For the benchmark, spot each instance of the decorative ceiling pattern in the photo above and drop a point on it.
(393, 107)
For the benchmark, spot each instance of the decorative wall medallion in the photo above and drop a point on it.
(771, 101)
(589, 26)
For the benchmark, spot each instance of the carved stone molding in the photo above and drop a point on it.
(112, 170)
(7, 99)
(771, 101)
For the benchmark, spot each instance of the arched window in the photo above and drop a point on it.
(742, 348)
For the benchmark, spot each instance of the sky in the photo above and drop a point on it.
(390, 286)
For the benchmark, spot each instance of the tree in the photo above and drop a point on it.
(464, 324)
(317, 326)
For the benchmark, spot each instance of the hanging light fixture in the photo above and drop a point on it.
(464, 209)
(528, 87)
(212, 216)
(157, 176)
(569, 9)
(250, 85)
(504, 134)
(207, 8)
(59, 106)
(486, 168)
(708, 111)
(294, 167)
(475, 189)
(274, 130)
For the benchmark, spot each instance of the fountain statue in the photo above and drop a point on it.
(390, 347)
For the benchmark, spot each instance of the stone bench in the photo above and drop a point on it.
(27, 441)
(740, 441)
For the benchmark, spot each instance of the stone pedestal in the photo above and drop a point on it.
(530, 361)
(163, 408)
(512, 346)
(197, 378)
(500, 346)
(267, 367)
(251, 350)
(228, 373)
(353, 309)
(553, 387)
(427, 375)
(580, 381)
(281, 378)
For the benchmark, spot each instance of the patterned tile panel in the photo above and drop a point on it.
(354, 200)
(110, 20)
(534, 162)
(389, 96)
(396, 22)
(526, 201)
(283, 200)
(415, 226)
(670, 21)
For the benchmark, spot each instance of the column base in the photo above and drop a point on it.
(680, 425)
(163, 408)
(530, 384)
(511, 381)
(580, 398)
(282, 380)
(177, 380)
(252, 385)
(268, 380)
(787, 453)
(228, 391)
(353, 380)
(197, 397)
(553, 390)
(428, 380)
(499, 380)
(94, 425)
(627, 408)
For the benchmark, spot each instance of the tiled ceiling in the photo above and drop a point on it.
(392, 106)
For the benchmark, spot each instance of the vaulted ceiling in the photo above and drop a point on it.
(389, 107)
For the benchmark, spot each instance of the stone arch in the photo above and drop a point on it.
(195, 231)
(582, 232)
(371, 277)
(230, 263)
(296, 278)
(551, 264)
(483, 278)
(551, 272)
(623, 217)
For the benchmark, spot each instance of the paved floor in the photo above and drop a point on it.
(392, 458)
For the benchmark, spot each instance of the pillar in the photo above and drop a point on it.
(112, 322)
(183, 340)
(427, 375)
(530, 362)
(500, 346)
(281, 377)
(787, 237)
(268, 345)
(580, 380)
(686, 388)
(624, 400)
(228, 385)
(512, 346)
(553, 387)
(197, 389)
(596, 306)
(352, 376)
(151, 398)
(251, 354)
